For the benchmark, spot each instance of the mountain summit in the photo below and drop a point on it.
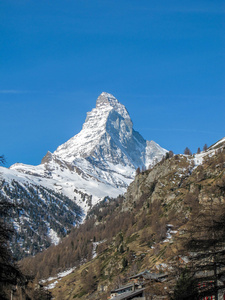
(99, 161)
(108, 136)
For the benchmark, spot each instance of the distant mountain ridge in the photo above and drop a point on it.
(99, 161)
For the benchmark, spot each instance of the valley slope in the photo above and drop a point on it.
(138, 231)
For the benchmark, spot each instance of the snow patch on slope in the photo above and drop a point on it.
(53, 236)
(198, 158)
(56, 279)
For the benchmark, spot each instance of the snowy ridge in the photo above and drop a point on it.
(84, 143)
(108, 136)
(99, 161)
(198, 158)
(84, 189)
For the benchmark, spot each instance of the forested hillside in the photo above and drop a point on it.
(41, 217)
(139, 231)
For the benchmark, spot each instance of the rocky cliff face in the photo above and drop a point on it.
(178, 182)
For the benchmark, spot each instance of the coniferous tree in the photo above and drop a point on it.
(186, 288)
(10, 274)
(204, 244)
(2, 159)
(187, 151)
(205, 147)
(171, 154)
(138, 171)
(167, 155)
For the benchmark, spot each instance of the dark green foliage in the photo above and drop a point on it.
(152, 187)
(121, 249)
(124, 262)
(187, 151)
(186, 287)
(9, 272)
(2, 160)
(205, 147)
(205, 240)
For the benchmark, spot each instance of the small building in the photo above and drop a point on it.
(124, 289)
(137, 286)
(146, 276)
(138, 294)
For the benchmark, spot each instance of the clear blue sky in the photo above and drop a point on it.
(164, 60)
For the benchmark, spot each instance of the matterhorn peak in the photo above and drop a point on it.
(106, 99)
(107, 138)
(98, 161)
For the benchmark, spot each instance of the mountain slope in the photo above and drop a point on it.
(102, 157)
(108, 136)
(99, 161)
(42, 217)
(139, 231)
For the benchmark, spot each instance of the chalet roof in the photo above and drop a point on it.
(139, 274)
(129, 295)
(154, 276)
(130, 285)
(147, 275)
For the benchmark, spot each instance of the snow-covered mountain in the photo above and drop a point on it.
(100, 160)
(108, 137)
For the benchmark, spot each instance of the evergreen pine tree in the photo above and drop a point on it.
(186, 288)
